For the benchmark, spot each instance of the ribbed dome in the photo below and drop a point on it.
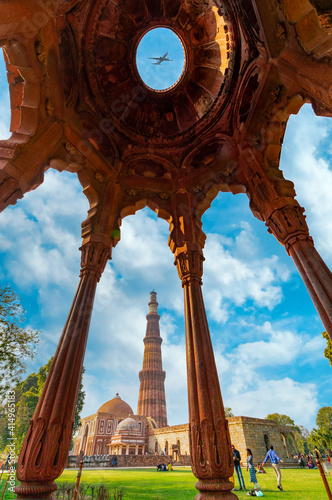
(129, 424)
(117, 407)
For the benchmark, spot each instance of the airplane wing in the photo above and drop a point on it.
(155, 58)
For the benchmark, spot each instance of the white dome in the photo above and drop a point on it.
(129, 424)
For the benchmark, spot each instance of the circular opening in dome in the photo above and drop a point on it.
(160, 59)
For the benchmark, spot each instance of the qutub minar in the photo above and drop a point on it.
(151, 400)
(114, 430)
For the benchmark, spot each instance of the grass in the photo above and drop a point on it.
(147, 484)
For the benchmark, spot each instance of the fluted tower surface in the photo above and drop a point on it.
(151, 400)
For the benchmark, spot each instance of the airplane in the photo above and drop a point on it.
(160, 59)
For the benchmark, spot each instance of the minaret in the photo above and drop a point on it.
(151, 400)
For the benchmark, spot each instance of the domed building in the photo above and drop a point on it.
(129, 438)
(114, 418)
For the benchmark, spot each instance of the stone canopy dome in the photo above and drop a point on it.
(117, 407)
(129, 424)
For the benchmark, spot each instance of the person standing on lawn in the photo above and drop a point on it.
(274, 459)
(237, 467)
(252, 471)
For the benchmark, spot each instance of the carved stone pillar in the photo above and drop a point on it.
(45, 449)
(289, 226)
(210, 445)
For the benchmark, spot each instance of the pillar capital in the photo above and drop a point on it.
(288, 225)
(189, 262)
(94, 257)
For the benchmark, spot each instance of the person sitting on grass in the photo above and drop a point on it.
(260, 469)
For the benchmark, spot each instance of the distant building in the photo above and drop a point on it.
(115, 430)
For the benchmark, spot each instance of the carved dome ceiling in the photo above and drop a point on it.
(113, 32)
(79, 103)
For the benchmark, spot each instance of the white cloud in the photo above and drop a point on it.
(236, 273)
(286, 396)
(252, 374)
(310, 169)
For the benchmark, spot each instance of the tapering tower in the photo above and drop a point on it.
(151, 400)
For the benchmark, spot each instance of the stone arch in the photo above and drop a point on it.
(98, 449)
(267, 442)
(178, 443)
(142, 203)
(166, 448)
(156, 446)
(284, 442)
(24, 92)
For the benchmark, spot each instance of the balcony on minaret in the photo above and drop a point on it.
(153, 304)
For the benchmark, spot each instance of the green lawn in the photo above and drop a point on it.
(147, 484)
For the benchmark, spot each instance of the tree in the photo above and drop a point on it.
(301, 435)
(322, 435)
(281, 419)
(27, 394)
(228, 412)
(328, 350)
(324, 417)
(17, 343)
(79, 406)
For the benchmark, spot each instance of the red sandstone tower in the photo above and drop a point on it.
(151, 400)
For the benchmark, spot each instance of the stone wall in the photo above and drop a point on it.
(129, 461)
(171, 436)
(258, 434)
(254, 433)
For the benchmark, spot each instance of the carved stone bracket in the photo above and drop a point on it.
(94, 258)
(189, 262)
(288, 225)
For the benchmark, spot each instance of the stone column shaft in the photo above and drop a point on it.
(289, 226)
(317, 278)
(45, 449)
(210, 445)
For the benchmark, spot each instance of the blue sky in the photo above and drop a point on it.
(156, 43)
(265, 330)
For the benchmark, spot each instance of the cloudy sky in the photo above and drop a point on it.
(265, 330)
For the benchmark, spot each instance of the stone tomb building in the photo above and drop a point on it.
(115, 430)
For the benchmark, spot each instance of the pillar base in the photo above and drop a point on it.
(35, 490)
(215, 490)
(216, 495)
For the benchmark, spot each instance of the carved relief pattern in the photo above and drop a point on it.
(211, 457)
(288, 225)
(190, 266)
(94, 258)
